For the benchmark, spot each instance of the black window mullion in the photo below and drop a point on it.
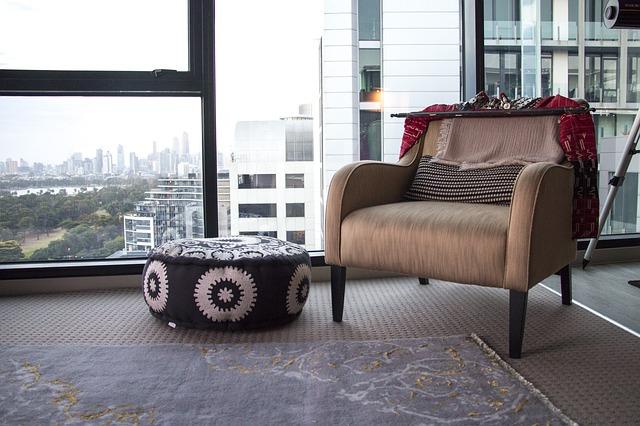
(472, 47)
(209, 145)
(196, 36)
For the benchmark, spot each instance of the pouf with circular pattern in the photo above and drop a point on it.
(227, 283)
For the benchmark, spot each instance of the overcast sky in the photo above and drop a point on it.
(267, 64)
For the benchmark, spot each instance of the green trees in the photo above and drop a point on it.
(92, 221)
(10, 251)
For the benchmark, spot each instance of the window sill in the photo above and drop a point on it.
(17, 271)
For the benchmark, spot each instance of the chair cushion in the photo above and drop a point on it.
(443, 182)
(450, 241)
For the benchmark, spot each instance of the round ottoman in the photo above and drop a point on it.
(227, 283)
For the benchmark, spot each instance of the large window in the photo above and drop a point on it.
(269, 103)
(547, 74)
(101, 128)
(501, 19)
(502, 73)
(369, 19)
(633, 74)
(304, 88)
(370, 135)
(294, 180)
(70, 35)
(601, 77)
(257, 181)
(297, 237)
(257, 210)
(273, 234)
(125, 175)
(299, 139)
(295, 209)
(370, 85)
(594, 60)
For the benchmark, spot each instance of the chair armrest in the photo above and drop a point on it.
(364, 184)
(539, 240)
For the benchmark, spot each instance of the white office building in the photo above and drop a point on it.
(275, 180)
(381, 57)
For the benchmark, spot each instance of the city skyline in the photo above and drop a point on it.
(82, 124)
(29, 125)
(114, 152)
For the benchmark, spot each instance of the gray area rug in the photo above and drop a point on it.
(438, 380)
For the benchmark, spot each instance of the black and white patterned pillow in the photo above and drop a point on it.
(443, 182)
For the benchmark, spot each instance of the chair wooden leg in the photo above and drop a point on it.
(565, 284)
(338, 278)
(423, 281)
(517, 315)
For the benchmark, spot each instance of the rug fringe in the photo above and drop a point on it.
(495, 357)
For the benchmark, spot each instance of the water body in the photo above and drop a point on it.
(71, 190)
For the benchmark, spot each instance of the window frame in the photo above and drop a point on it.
(198, 82)
(18, 82)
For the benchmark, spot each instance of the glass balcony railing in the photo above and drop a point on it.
(596, 31)
(502, 30)
(559, 31)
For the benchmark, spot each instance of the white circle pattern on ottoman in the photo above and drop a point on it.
(298, 289)
(225, 294)
(227, 283)
(156, 290)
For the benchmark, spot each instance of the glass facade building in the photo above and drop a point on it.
(548, 47)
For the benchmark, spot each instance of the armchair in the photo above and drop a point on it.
(370, 225)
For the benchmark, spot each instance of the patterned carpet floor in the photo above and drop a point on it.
(586, 366)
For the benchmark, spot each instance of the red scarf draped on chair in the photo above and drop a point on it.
(577, 139)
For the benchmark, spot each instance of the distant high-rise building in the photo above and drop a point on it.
(184, 169)
(120, 159)
(11, 166)
(38, 168)
(107, 163)
(165, 162)
(175, 156)
(155, 149)
(75, 164)
(97, 162)
(87, 166)
(133, 162)
(184, 153)
(175, 146)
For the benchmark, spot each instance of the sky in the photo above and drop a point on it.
(266, 65)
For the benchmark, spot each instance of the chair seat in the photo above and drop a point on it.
(457, 242)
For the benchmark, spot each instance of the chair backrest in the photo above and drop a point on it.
(482, 142)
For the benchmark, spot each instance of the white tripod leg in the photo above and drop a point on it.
(614, 183)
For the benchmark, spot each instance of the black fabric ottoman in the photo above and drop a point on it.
(227, 283)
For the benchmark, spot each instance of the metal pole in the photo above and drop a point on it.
(525, 112)
(614, 183)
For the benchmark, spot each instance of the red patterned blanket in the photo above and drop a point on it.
(577, 139)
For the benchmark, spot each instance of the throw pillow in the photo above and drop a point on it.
(443, 182)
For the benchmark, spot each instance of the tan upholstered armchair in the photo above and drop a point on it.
(369, 225)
